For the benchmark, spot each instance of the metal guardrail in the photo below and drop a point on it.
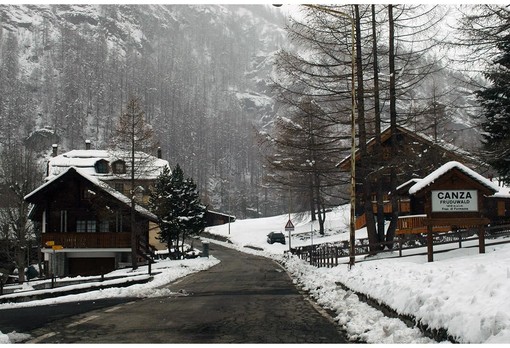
(330, 255)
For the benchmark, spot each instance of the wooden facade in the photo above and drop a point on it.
(87, 219)
(418, 155)
(493, 202)
(454, 196)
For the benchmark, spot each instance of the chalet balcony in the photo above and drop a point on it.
(74, 240)
(403, 207)
(413, 224)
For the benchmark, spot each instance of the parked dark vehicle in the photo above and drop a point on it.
(276, 237)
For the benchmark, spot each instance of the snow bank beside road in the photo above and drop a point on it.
(169, 272)
(462, 291)
(466, 294)
(13, 337)
(361, 321)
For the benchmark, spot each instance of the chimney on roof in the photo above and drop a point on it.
(159, 152)
(55, 150)
(87, 144)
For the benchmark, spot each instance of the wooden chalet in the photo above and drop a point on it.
(418, 155)
(83, 211)
(84, 224)
(454, 184)
(113, 167)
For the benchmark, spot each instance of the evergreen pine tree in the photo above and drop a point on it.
(176, 202)
(159, 205)
(194, 221)
(495, 100)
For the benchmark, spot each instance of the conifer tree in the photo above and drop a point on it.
(175, 200)
(495, 100)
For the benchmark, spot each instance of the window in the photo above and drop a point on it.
(119, 167)
(104, 226)
(118, 222)
(84, 226)
(101, 166)
(501, 208)
(63, 221)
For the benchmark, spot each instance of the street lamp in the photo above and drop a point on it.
(352, 223)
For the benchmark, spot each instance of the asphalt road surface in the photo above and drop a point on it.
(243, 299)
(30, 318)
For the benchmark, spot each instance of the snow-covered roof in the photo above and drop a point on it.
(85, 160)
(101, 185)
(415, 180)
(450, 148)
(504, 191)
(429, 179)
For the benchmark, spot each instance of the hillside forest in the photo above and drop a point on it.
(205, 76)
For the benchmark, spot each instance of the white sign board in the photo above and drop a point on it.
(454, 201)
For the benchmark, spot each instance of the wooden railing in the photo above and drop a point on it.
(413, 224)
(403, 207)
(74, 240)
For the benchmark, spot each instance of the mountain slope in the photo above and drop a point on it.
(200, 71)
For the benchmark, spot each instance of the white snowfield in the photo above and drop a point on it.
(462, 291)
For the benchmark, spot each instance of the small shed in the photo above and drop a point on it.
(454, 195)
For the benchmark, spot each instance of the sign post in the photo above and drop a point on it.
(290, 228)
(454, 196)
(54, 247)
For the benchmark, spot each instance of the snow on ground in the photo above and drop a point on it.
(168, 271)
(462, 291)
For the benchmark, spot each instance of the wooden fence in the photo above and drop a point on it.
(329, 255)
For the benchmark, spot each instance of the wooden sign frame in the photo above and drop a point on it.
(455, 179)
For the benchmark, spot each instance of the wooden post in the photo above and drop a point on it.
(430, 244)
(481, 239)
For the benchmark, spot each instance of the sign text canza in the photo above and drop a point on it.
(454, 200)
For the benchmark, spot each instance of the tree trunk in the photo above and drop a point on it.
(393, 127)
(380, 208)
(134, 232)
(364, 163)
(370, 221)
(312, 201)
(20, 263)
(378, 142)
(321, 213)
